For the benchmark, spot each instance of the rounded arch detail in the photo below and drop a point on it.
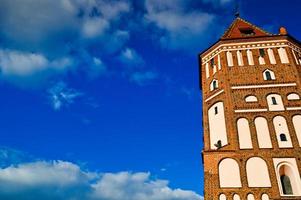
(257, 173)
(244, 134)
(263, 133)
(229, 173)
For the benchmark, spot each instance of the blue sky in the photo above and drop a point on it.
(101, 98)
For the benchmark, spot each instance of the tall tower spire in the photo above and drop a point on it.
(251, 86)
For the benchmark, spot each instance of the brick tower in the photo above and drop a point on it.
(251, 86)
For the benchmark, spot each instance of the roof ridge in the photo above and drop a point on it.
(255, 26)
(228, 31)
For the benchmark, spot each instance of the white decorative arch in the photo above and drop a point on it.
(229, 173)
(297, 126)
(219, 64)
(268, 75)
(288, 167)
(213, 84)
(217, 125)
(236, 197)
(250, 197)
(222, 197)
(229, 59)
(207, 70)
(239, 58)
(261, 60)
(275, 102)
(251, 98)
(280, 126)
(295, 57)
(265, 197)
(293, 96)
(263, 133)
(271, 56)
(250, 57)
(283, 55)
(244, 134)
(257, 173)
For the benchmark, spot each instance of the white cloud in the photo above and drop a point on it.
(67, 181)
(17, 63)
(94, 27)
(184, 29)
(131, 57)
(56, 31)
(60, 95)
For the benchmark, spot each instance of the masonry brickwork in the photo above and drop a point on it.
(235, 83)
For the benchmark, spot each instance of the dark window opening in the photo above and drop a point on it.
(274, 102)
(215, 110)
(286, 185)
(283, 137)
(214, 85)
(261, 52)
(268, 75)
(247, 31)
(212, 62)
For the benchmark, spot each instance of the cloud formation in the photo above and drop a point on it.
(60, 95)
(45, 39)
(62, 180)
(182, 27)
(20, 65)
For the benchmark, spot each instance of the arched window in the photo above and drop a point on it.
(236, 197)
(288, 176)
(297, 126)
(250, 197)
(295, 57)
(219, 62)
(217, 125)
(250, 57)
(229, 174)
(207, 70)
(275, 102)
(251, 98)
(263, 133)
(261, 60)
(287, 179)
(222, 197)
(265, 197)
(271, 56)
(257, 173)
(268, 75)
(283, 55)
(282, 132)
(239, 58)
(286, 185)
(293, 96)
(244, 134)
(283, 137)
(229, 59)
(214, 85)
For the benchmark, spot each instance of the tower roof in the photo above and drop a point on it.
(241, 28)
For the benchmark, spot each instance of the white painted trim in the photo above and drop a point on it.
(263, 86)
(293, 108)
(246, 45)
(214, 95)
(251, 110)
(249, 45)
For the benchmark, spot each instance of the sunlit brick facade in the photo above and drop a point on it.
(251, 87)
